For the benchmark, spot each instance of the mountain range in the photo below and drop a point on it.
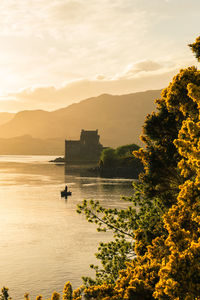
(119, 120)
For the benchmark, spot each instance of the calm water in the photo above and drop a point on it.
(43, 241)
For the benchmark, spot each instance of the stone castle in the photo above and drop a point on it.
(87, 150)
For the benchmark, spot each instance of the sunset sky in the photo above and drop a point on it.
(57, 52)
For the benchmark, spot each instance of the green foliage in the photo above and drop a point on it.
(183, 219)
(126, 150)
(162, 176)
(108, 157)
(67, 291)
(120, 157)
(68, 294)
(196, 48)
(4, 294)
(142, 213)
(26, 296)
(55, 296)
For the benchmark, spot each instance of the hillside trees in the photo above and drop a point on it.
(120, 162)
(108, 157)
(118, 157)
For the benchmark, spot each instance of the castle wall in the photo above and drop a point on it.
(72, 150)
(87, 149)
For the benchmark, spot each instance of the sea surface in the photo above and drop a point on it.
(43, 241)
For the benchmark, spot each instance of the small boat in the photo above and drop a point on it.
(65, 193)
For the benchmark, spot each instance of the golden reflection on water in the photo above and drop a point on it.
(44, 242)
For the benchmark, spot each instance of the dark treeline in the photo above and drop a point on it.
(120, 162)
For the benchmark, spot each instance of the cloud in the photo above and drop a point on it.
(48, 42)
(59, 18)
(146, 65)
(141, 66)
(138, 76)
(144, 68)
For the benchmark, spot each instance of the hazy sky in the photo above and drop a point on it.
(56, 52)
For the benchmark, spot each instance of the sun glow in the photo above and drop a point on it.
(47, 44)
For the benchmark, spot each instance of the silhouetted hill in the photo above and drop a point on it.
(5, 117)
(26, 145)
(118, 118)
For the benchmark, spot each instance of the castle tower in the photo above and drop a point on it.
(87, 149)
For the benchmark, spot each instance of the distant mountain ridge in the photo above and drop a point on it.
(119, 120)
(5, 117)
(26, 145)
